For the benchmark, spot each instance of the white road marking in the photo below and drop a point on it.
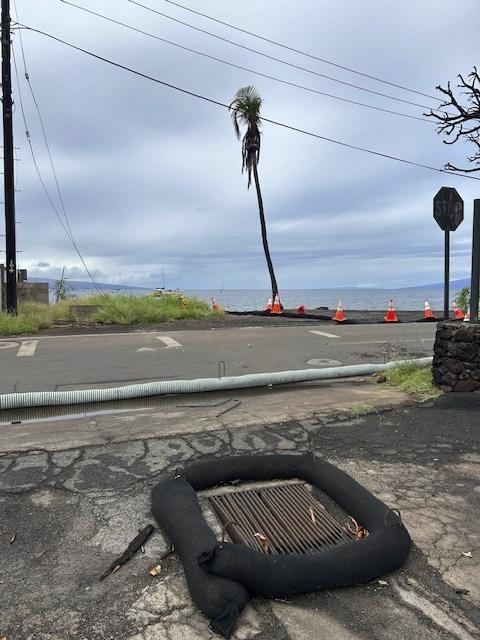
(170, 343)
(325, 334)
(27, 348)
(349, 344)
(8, 345)
(394, 341)
(146, 349)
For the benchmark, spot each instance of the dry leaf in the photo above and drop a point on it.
(467, 554)
(263, 541)
(13, 538)
(312, 516)
(359, 531)
(154, 571)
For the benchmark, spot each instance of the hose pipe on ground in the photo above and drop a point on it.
(200, 385)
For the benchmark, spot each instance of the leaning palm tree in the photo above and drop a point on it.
(245, 112)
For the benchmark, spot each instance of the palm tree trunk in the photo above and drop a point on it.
(264, 233)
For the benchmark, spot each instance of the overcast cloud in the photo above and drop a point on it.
(151, 177)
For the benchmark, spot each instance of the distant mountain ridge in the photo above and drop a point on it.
(454, 284)
(74, 285)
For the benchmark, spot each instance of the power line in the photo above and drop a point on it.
(236, 66)
(226, 106)
(281, 60)
(303, 53)
(66, 227)
(44, 133)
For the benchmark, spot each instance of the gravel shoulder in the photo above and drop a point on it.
(225, 322)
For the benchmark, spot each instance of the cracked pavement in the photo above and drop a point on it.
(74, 507)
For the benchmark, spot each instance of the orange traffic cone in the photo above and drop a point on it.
(269, 305)
(467, 315)
(428, 313)
(391, 315)
(216, 306)
(457, 312)
(276, 305)
(340, 313)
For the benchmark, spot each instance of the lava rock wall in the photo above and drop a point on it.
(456, 360)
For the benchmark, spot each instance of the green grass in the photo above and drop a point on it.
(22, 323)
(112, 309)
(146, 310)
(412, 379)
(361, 409)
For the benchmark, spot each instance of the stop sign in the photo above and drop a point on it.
(448, 208)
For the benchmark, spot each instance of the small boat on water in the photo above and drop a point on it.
(159, 292)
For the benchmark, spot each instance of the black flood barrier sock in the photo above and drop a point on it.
(279, 576)
(219, 574)
(176, 509)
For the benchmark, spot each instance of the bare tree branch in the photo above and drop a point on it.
(454, 124)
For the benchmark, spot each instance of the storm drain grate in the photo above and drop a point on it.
(285, 518)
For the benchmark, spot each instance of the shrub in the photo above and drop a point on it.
(462, 299)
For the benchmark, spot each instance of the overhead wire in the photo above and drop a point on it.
(29, 141)
(65, 223)
(237, 66)
(193, 94)
(300, 52)
(43, 184)
(280, 60)
(256, 72)
(42, 125)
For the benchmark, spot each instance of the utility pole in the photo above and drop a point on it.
(8, 162)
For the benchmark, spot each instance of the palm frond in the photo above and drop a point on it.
(245, 112)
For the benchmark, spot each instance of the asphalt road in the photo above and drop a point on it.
(68, 510)
(50, 363)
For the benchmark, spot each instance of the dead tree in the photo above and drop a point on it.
(458, 122)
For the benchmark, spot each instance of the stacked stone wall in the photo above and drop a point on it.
(456, 360)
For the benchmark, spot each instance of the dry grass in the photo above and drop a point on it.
(112, 309)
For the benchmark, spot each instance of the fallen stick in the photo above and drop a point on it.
(136, 544)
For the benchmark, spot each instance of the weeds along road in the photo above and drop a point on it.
(49, 363)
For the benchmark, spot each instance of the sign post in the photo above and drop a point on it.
(446, 276)
(475, 263)
(448, 212)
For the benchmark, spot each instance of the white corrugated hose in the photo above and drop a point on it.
(200, 385)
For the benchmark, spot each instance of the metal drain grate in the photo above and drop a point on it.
(279, 519)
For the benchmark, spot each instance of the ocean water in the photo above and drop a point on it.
(353, 299)
(361, 299)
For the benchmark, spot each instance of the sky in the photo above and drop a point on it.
(151, 177)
